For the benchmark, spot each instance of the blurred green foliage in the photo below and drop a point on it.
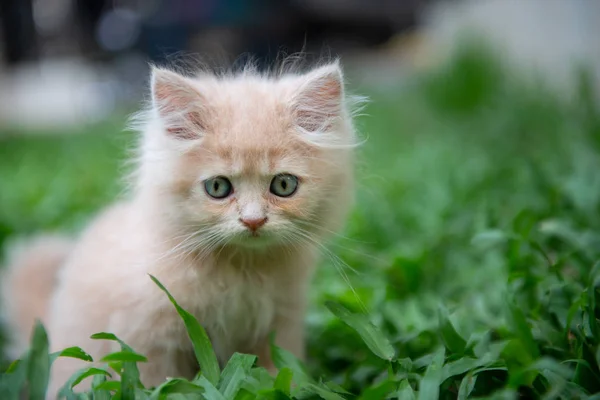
(469, 266)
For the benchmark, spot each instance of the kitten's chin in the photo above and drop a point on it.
(260, 240)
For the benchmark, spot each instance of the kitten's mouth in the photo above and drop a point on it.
(254, 239)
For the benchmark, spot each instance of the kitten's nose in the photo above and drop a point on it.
(253, 223)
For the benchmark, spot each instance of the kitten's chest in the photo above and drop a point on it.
(238, 314)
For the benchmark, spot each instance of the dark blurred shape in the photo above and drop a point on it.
(18, 31)
(162, 28)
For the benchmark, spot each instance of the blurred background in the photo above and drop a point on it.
(72, 61)
(478, 181)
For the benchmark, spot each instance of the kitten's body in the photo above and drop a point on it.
(240, 283)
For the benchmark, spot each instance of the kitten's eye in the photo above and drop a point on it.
(284, 185)
(218, 188)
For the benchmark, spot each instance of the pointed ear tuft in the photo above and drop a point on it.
(319, 100)
(180, 106)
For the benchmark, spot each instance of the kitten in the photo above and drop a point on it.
(240, 178)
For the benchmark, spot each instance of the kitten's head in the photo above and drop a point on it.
(250, 160)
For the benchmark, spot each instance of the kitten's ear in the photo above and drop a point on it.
(180, 106)
(318, 101)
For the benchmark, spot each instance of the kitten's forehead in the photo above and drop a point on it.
(249, 110)
(232, 159)
(251, 130)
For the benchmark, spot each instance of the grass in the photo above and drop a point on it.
(474, 249)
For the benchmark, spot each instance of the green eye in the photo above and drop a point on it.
(218, 188)
(284, 185)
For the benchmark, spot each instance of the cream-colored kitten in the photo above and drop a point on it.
(240, 178)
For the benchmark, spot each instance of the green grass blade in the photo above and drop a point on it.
(100, 394)
(124, 356)
(237, 360)
(283, 382)
(466, 386)
(461, 366)
(429, 387)
(92, 371)
(38, 368)
(519, 324)
(370, 334)
(324, 393)
(175, 386)
(234, 384)
(113, 386)
(210, 391)
(452, 340)
(244, 394)
(130, 380)
(112, 337)
(72, 352)
(13, 380)
(124, 363)
(284, 359)
(379, 391)
(272, 394)
(203, 349)
(405, 391)
(234, 373)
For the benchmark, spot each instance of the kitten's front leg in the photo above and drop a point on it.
(289, 335)
(166, 363)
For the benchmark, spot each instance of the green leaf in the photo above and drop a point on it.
(336, 388)
(13, 366)
(113, 386)
(452, 340)
(378, 391)
(81, 375)
(176, 385)
(98, 393)
(405, 391)
(244, 394)
(429, 387)
(370, 334)
(284, 359)
(490, 238)
(124, 363)
(283, 382)
(466, 386)
(519, 325)
(124, 356)
(322, 392)
(461, 366)
(130, 380)
(592, 321)
(210, 391)
(271, 394)
(202, 346)
(238, 361)
(13, 380)
(258, 379)
(105, 336)
(38, 368)
(72, 352)
(112, 337)
(142, 394)
(234, 383)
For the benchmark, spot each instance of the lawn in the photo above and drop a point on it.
(468, 268)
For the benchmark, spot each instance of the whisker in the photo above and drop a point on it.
(304, 236)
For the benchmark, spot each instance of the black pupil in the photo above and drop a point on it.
(283, 184)
(216, 186)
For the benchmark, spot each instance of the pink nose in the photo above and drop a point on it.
(253, 223)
